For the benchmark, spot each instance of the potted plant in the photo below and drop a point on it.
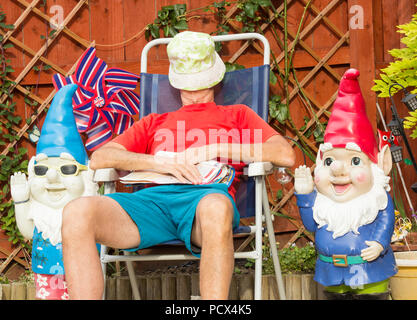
(297, 268)
(404, 243)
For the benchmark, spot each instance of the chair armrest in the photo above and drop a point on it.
(255, 169)
(105, 175)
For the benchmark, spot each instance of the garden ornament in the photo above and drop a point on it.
(347, 204)
(57, 174)
(105, 101)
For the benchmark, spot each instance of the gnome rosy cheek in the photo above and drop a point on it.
(361, 177)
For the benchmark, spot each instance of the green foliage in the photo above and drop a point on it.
(410, 122)
(233, 66)
(4, 280)
(292, 259)
(219, 10)
(171, 19)
(4, 25)
(15, 160)
(42, 67)
(317, 131)
(27, 277)
(298, 260)
(404, 68)
(277, 109)
(251, 16)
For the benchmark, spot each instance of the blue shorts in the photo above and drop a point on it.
(166, 212)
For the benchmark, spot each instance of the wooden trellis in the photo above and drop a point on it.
(322, 63)
(37, 56)
(319, 15)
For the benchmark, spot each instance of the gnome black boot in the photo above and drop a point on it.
(371, 296)
(337, 296)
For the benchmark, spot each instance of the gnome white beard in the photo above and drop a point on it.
(48, 220)
(343, 217)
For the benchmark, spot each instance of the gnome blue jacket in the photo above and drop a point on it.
(351, 244)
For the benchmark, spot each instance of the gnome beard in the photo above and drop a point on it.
(343, 217)
(48, 220)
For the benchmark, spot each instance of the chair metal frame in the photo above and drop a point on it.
(257, 170)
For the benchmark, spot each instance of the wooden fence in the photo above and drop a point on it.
(330, 40)
(181, 286)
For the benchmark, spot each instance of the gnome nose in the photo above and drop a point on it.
(52, 175)
(337, 168)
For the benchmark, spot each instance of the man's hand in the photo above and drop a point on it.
(181, 169)
(372, 252)
(303, 181)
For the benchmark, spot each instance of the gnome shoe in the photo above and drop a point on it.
(338, 296)
(371, 296)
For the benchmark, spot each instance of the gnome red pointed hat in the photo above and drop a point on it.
(349, 125)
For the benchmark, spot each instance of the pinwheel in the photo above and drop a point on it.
(104, 103)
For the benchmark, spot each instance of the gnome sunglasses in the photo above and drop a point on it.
(65, 169)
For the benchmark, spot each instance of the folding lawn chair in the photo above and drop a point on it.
(248, 86)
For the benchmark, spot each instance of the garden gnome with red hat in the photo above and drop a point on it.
(347, 205)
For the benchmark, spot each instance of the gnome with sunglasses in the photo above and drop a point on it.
(58, 173)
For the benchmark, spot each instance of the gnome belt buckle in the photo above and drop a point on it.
(340, 260)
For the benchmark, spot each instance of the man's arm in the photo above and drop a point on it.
(275, 150)
(115, 155)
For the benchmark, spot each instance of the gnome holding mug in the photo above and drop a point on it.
(347, 204)
(57, 174)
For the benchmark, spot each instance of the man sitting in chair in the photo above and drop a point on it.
(201, 215)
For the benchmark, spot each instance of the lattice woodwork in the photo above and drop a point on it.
(37, 56)
(320, 18)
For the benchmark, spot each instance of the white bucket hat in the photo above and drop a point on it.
(194, 63)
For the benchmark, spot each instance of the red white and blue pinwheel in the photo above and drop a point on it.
(104, 103)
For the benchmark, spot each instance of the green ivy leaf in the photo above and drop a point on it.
(265, 3)
(180, 9)
(233, 66)
(278, 110)
(181, 25)
(7, 46)
(163, 14)
(154, 30)
(272, 78)
(250, 9)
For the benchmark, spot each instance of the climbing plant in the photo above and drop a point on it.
(15, 160)
(402, 70)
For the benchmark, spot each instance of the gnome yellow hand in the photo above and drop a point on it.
(372, 252)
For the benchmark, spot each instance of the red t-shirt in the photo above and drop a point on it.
(196, 125)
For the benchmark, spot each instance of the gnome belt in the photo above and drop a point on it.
(342, 260)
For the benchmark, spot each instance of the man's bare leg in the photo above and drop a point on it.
(212, 232)
(87, 221)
